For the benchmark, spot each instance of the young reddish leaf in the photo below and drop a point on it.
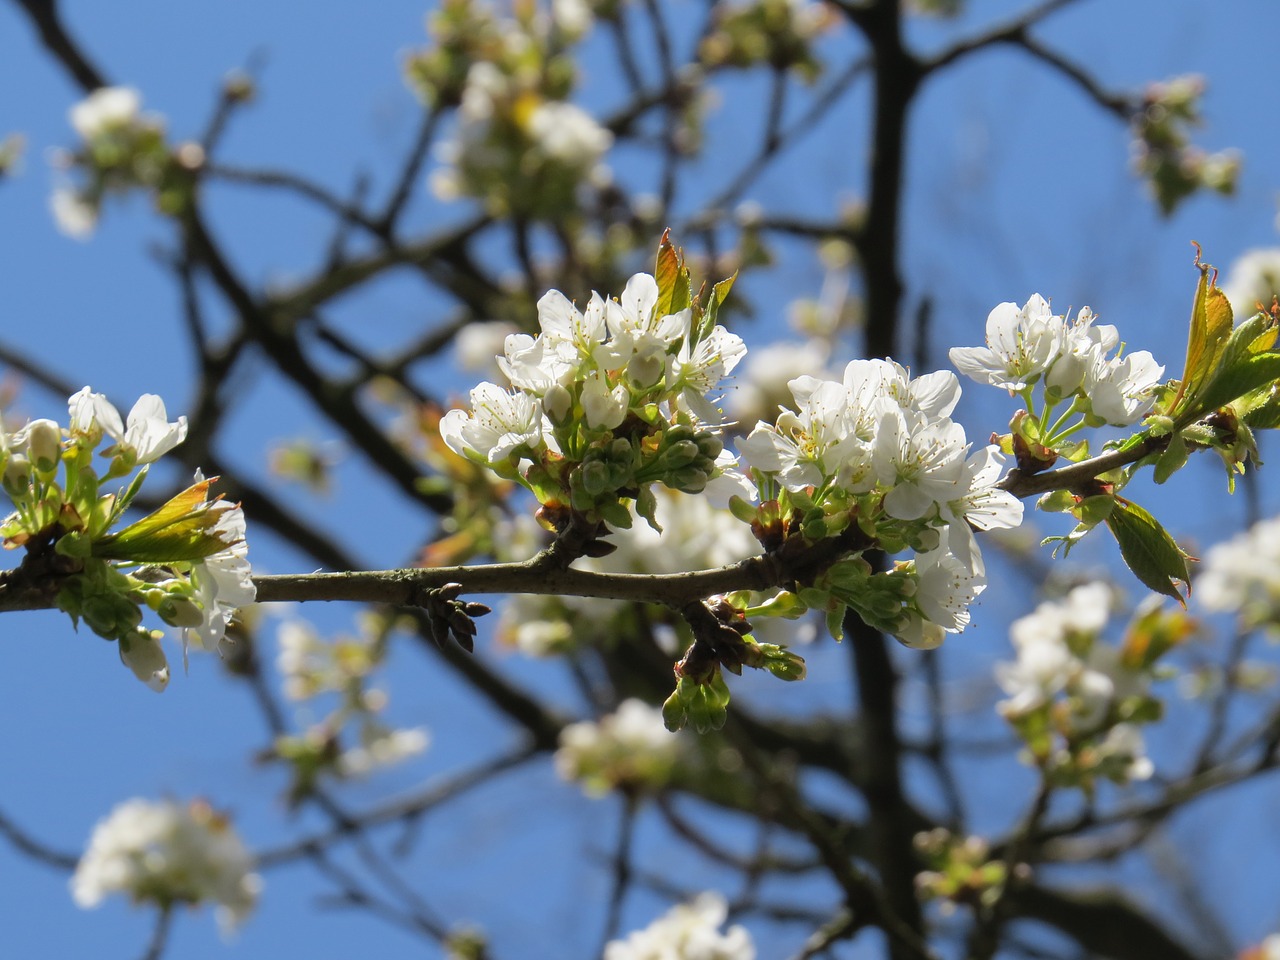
(672, 276)
(1210, 330)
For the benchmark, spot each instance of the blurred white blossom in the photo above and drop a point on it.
(1253, 279)
(167, 853)
(74, 215)
(1242, 575)
(383, 749)
(687, 932)
(629, 749)
(105, 109)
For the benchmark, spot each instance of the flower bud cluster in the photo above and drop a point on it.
(604, 403)
(341, 670)
(186, 561)
(122, 148)
(1163, 153)
(168, 853)
(879, 451)
(779, 33)
(961, 871)
(1077, 702)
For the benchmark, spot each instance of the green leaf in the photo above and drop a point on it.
(647, 507)
(179, 530)
(1261, 408)
(835, 621)
(1172, 459)
(124, 499)
(1148, 550)
(1243, 377)
(719, 293)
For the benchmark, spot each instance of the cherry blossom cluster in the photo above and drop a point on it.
(685, 932)
(520, 145)
(1078, 702)
(186, 561)
(168, 854)
(339, 669)
(121, 148)
(1071, 361)
(629, 750)
(604, 403)
(879, 450)
(1242, 576)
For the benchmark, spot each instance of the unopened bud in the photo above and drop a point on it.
(142, 654)
(557, 402)
(17, 477)
(180, 612)
(44, 445)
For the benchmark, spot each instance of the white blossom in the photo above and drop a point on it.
(1084, 351)
(699, 369)
(568, 134)
(572, 17)
(949, 579)
(223, 581)
(810, 445)
(167, 853)
(141, 652)
(383, 750)
(604, 408)
(1242, 575)
(478, 344)
(105, 109)
(1121, 391)
(74, 215)
(687, 932)
(983, 505)
(1124, 743)
(499, 423)
(1022, 342)
(149, 434)
(1046, 665)
(922, 461)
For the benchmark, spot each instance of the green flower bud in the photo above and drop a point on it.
(680, 454)
(180, 612)
(710, 445)
(785, 665)
(17, 477)
(674, 715)
(595, 477)
(141, 653)
(44, 445)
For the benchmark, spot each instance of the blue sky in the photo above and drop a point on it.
(1015, 186)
